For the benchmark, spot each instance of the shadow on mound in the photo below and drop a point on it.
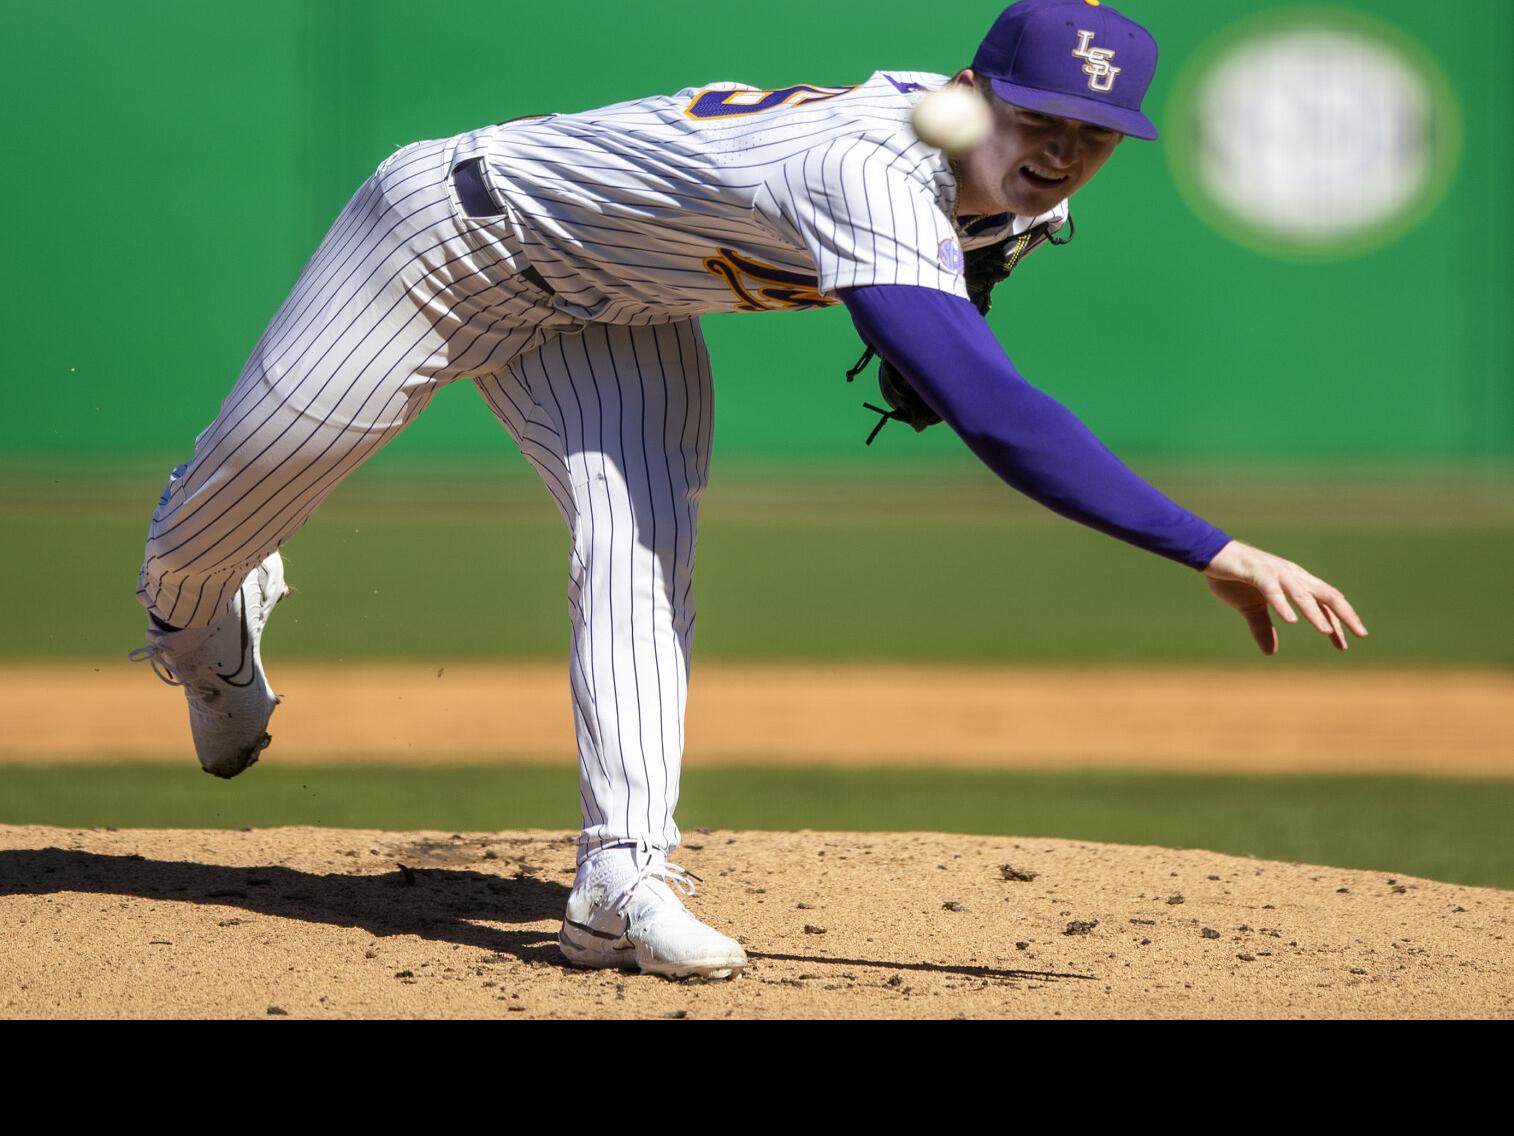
(441, 904)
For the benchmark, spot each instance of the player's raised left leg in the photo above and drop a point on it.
(405, 294)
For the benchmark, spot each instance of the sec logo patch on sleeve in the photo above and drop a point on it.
(949, 252)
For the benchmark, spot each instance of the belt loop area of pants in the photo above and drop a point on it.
(478, 202)
(468, 180)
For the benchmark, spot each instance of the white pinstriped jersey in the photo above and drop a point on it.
(730, 198)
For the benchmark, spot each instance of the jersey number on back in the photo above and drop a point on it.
(728, 104)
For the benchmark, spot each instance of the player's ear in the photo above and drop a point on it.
(966, 77)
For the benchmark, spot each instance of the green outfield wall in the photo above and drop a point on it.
(171, 164)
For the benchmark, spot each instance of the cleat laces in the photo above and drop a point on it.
(157, 656)
(677, 878)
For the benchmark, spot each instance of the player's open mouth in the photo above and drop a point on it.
(1042, 177)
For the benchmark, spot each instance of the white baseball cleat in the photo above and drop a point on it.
(220, 668)
(640, 924)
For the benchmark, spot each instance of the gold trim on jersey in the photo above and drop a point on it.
(760, 287)
(744, 101)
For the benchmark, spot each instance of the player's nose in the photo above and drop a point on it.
(1064, 147)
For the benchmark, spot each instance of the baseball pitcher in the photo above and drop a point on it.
(561, 263)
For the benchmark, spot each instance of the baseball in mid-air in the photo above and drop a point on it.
(952, 119)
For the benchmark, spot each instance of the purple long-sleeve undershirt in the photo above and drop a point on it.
(947, 351)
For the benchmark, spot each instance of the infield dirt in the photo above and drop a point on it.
(305, 922)
(977, 717)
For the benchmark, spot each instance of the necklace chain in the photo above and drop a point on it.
(956, 197)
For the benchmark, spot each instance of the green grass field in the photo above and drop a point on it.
(1444, 829)
(449, 569)
(474, 567)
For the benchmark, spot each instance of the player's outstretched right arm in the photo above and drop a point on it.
(944, 348)
(941, 344)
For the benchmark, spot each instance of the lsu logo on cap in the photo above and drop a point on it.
(949, 253)
(1100, 71)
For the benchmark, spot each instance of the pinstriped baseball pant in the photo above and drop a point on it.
(405, 294)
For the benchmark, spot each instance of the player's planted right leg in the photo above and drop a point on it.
(617, 420)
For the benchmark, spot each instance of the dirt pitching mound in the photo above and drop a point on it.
(307, 922)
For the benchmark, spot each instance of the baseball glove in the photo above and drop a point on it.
(984, 269)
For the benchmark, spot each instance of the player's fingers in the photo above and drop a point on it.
(1310, 607)
(1260, 623)
(1268, 642)
(1274, 596)
(1341, 606)
(1337, 633)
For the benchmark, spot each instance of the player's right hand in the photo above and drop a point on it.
(1256, 583)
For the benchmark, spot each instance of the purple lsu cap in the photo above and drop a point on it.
(1074, 59)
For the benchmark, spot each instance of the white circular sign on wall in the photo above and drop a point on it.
(1314, 132)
